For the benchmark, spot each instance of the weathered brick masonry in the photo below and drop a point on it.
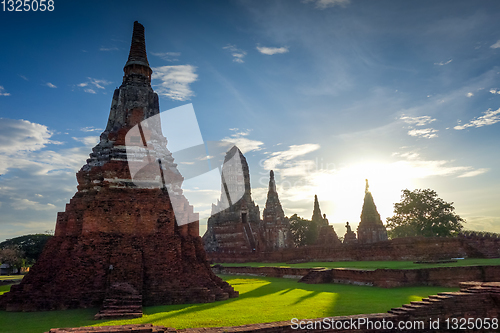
(118, 240)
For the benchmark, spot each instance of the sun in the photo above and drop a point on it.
(344, 189)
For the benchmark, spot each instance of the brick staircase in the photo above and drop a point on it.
(122, 301)
(471, 300)
(321, 275)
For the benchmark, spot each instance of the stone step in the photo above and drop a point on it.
(132, 308)
(109, 315)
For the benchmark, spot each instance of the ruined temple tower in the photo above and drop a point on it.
(326, 235)
(370, 229)
(118, 240)
(235, 222)
(276, 227)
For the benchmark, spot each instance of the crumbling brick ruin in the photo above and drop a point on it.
(118, 242)
(326, 235)
(238, 228)
(370, 229)
(276, 226)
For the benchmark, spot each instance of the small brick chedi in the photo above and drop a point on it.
(239, 229)
(370, 229)
(118, 238)
(326, 235)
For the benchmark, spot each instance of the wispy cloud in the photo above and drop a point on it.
(272, 50)
(88, 141)
(442, 63)
(495, 91)
(22, 204)
(3, 92)
(496, 45)
(473, 173)
(90, 129)
(106, 49)
(240, 139)
(427, 133)
(237, 54)
(93, 84)
(50, 85)
(490, 117)
(167, 56)
(323, 4)
(469, 94)
(175, 81)
(417, 121)
(23, 77)
(279, 158)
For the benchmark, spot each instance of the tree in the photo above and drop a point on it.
(304, 232)
(422, 213)
(13, 256)
(31, 245)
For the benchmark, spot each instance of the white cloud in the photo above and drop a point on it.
(3, 92)
(90, 129)
(272, 50)
(469, 94)
(496, 45)
(89, 141)
(490, 117)
(22, 204)
(323, 4)
(22, 135)
(94, 83)
(99, 83)
(50, 85)
(167, 56)
(473, 173)
(175, 81)
(417, 121)
(239, 138)
(23, 77)
(108, 49)
(294, 151)
(237, 54)
(427, 133)
(495, 91)
(443, 63)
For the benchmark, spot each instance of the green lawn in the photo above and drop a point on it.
(261, 300)
(372, 264)
(11, 277)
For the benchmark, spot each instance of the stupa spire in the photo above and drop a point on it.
(138, 59)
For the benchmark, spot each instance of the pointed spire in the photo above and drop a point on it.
(317, 217)
(138, 59)
(272, 182)
(137, 53)
(367, 187)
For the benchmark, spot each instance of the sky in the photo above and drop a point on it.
(327, 93)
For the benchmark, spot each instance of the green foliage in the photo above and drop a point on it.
(261, 300)
(422, 213)
(31, 245)
(304, 232)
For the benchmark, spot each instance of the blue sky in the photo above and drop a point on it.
(325, 92)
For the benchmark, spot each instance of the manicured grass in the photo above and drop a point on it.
(11, 277)
(373, 264)
(261, 300)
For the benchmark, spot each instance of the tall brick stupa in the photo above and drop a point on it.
(118, 241)
(370, 229)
